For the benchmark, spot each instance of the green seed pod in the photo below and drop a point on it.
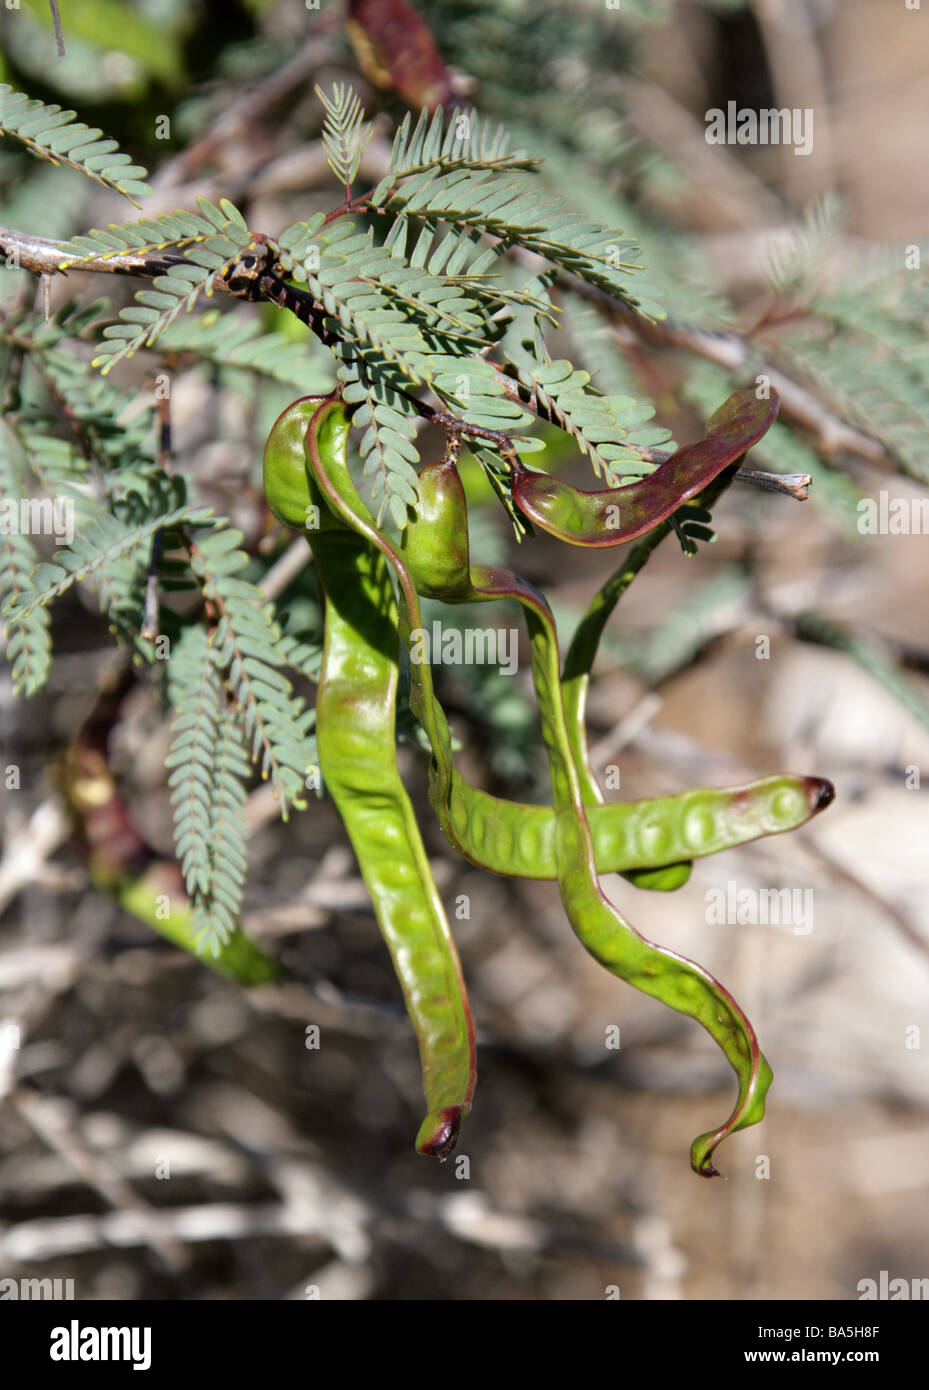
(356, 710)
(615, 516)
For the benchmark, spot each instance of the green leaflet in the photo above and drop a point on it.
(57, 135)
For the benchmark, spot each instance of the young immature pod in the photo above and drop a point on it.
(615, 516)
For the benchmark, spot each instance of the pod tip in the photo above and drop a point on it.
(822, 793)
(439, 1132)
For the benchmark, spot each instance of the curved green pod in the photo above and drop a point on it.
(356, 708)
(436, 547)
(646, 839)
(678, 982)
(582, 651)
(675, 980)
(518, 840)
(614, 516)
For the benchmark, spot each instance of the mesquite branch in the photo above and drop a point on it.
(43, 257)
(832, 434)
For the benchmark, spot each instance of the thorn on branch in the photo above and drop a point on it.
(56, 20)
(794, 485)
